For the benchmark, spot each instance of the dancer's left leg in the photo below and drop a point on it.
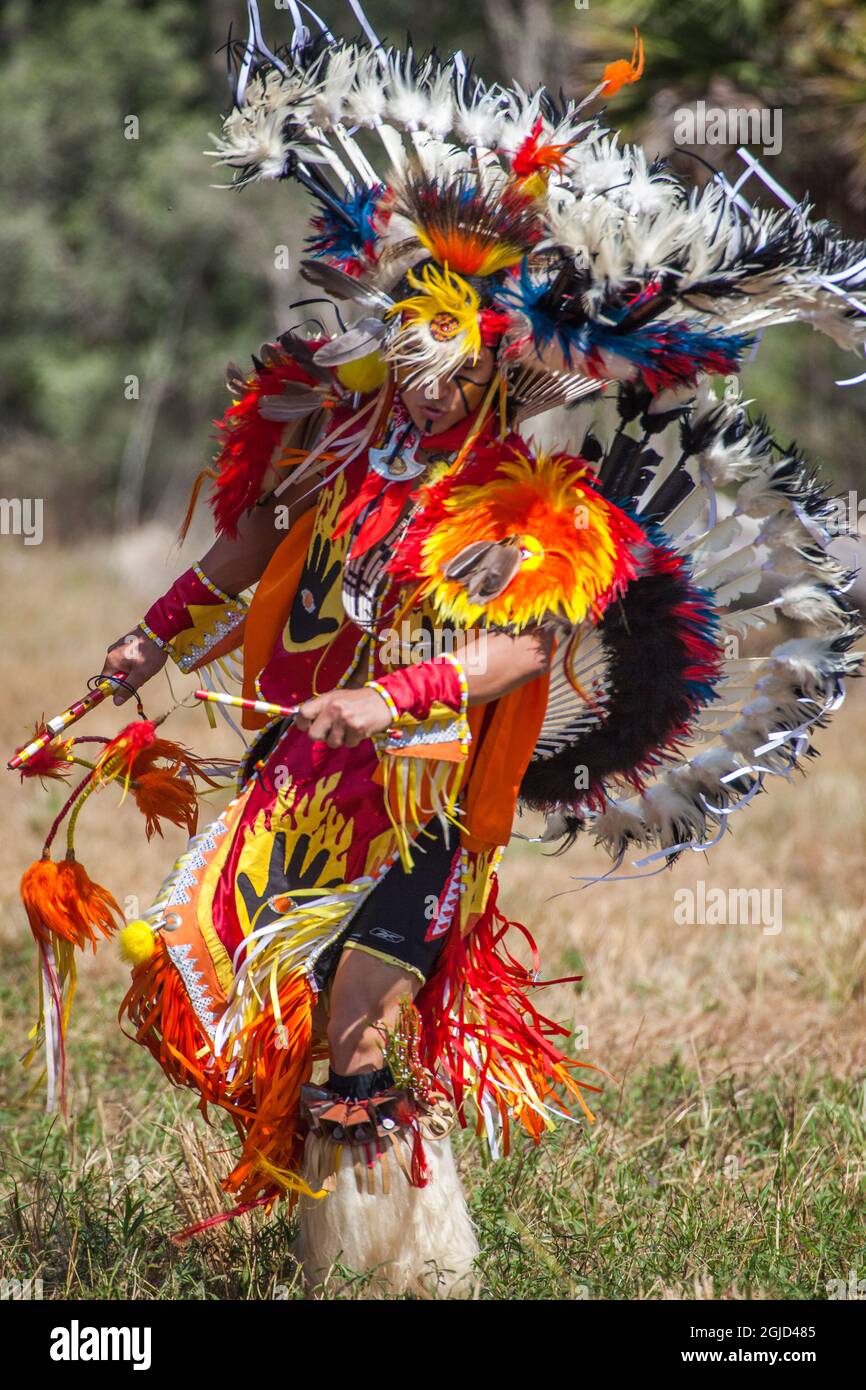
(417, 1239)
(366, 991)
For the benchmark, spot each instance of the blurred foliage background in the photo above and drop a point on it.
(121, 259)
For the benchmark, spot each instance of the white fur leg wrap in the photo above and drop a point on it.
(416, 1240)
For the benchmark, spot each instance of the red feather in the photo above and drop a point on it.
(249, 441)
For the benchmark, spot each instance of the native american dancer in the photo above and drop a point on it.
(453, 623)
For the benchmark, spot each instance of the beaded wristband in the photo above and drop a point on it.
(386, 696)
(149, 632)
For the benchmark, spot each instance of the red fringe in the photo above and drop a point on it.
(505, 1028)
(221, 1216)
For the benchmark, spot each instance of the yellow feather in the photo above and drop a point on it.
(441, 292)
(364, 374)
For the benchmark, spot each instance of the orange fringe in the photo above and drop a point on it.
(263, 1097)
(281, 1057)
(159, 1008)
(161, 794)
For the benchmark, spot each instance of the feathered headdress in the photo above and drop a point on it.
(518, 220)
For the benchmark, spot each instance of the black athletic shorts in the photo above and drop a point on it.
(394, 919)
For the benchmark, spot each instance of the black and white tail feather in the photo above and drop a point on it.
(756, 524)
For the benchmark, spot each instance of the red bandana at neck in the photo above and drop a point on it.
(391, 495)
(450, 440)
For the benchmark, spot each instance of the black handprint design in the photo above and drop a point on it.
(307, 620)
(283, 878)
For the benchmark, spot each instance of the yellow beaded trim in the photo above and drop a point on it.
(149, 632)
(209, 584)
(461, 676)
(386, 696)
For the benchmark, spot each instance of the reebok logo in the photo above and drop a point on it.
(386, 935)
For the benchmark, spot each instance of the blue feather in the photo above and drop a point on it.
(671, 349)
(343, 238)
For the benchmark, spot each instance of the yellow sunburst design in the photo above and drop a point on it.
(563, 528)
(441, 295)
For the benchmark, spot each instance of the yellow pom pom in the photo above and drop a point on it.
(136, 942)
(364, 373)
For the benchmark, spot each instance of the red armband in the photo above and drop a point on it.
(192, 618)
(413, 690)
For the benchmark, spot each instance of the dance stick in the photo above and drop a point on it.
(62, 721)
(259, 706)
(238, 702)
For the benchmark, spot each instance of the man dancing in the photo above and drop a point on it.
(450, 624)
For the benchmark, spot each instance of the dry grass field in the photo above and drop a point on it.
(727, 1157)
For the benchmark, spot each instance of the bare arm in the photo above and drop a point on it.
(497, 662)
(233, 565)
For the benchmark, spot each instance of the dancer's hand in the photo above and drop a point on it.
(344, 717)
(138, 656)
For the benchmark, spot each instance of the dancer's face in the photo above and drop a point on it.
(436, 408)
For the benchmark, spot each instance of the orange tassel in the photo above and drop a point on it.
(65, 909)
(622, 73)
(161, 794)
(61, 900)
(134, 755)
(165, 750)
